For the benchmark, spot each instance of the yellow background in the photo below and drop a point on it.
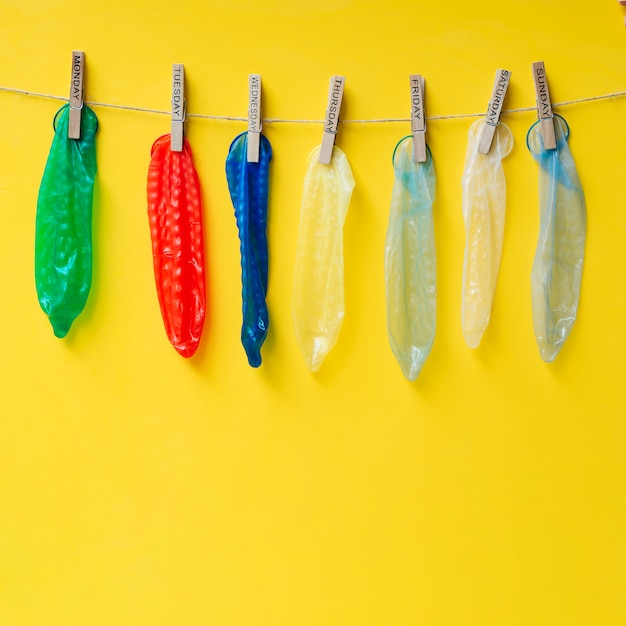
(137, 487)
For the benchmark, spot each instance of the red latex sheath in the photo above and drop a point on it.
(175, 212)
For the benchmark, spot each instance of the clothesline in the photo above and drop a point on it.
(273, 120)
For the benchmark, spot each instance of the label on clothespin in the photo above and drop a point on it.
(496, 104)
(178, 107)
(331, 122)
(254, 117)
(544, 105)
(76, 94)
(418, 119)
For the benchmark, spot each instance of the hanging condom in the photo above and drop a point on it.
(248, 184)
(175, 214)
(63, 246)
(557, 270)
(484, 207)
(410, 260)
(318, 295)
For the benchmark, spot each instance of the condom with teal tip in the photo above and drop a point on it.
(410, 260)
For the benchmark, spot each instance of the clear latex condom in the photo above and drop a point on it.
(248, 184)
(558, 265)
(484, 208)
(318, 292)
(175, 214)
(63, 245)
(410, 260)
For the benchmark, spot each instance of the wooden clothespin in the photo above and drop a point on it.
(255, 123)
(418, 120)
(331, 122)
(76, 94)
(494, 111)
(544, 106)
(178, 107)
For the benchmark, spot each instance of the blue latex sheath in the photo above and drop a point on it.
(248, 184)
(410, 261)
(557, 270)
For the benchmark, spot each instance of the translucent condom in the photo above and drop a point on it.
(557, 270)
(318, 295)
(410, 261)
(484, 207)
(63, 248)
(248, 184)
(175, 214)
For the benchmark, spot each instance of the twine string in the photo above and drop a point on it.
(277, 120)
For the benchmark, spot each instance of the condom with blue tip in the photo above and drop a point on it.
(559, 258)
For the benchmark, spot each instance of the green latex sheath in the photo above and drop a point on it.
(63, 248)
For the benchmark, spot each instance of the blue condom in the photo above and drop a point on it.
(557, 269)
(248, 184)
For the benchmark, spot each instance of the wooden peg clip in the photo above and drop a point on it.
(494, 111)
(331, 122)
(178, 107)
(76, 94)
(255, 123)
(418, 120)
(544, 106)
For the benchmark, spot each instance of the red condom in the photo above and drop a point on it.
(175, 212)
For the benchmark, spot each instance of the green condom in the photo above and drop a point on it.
(63, 246)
